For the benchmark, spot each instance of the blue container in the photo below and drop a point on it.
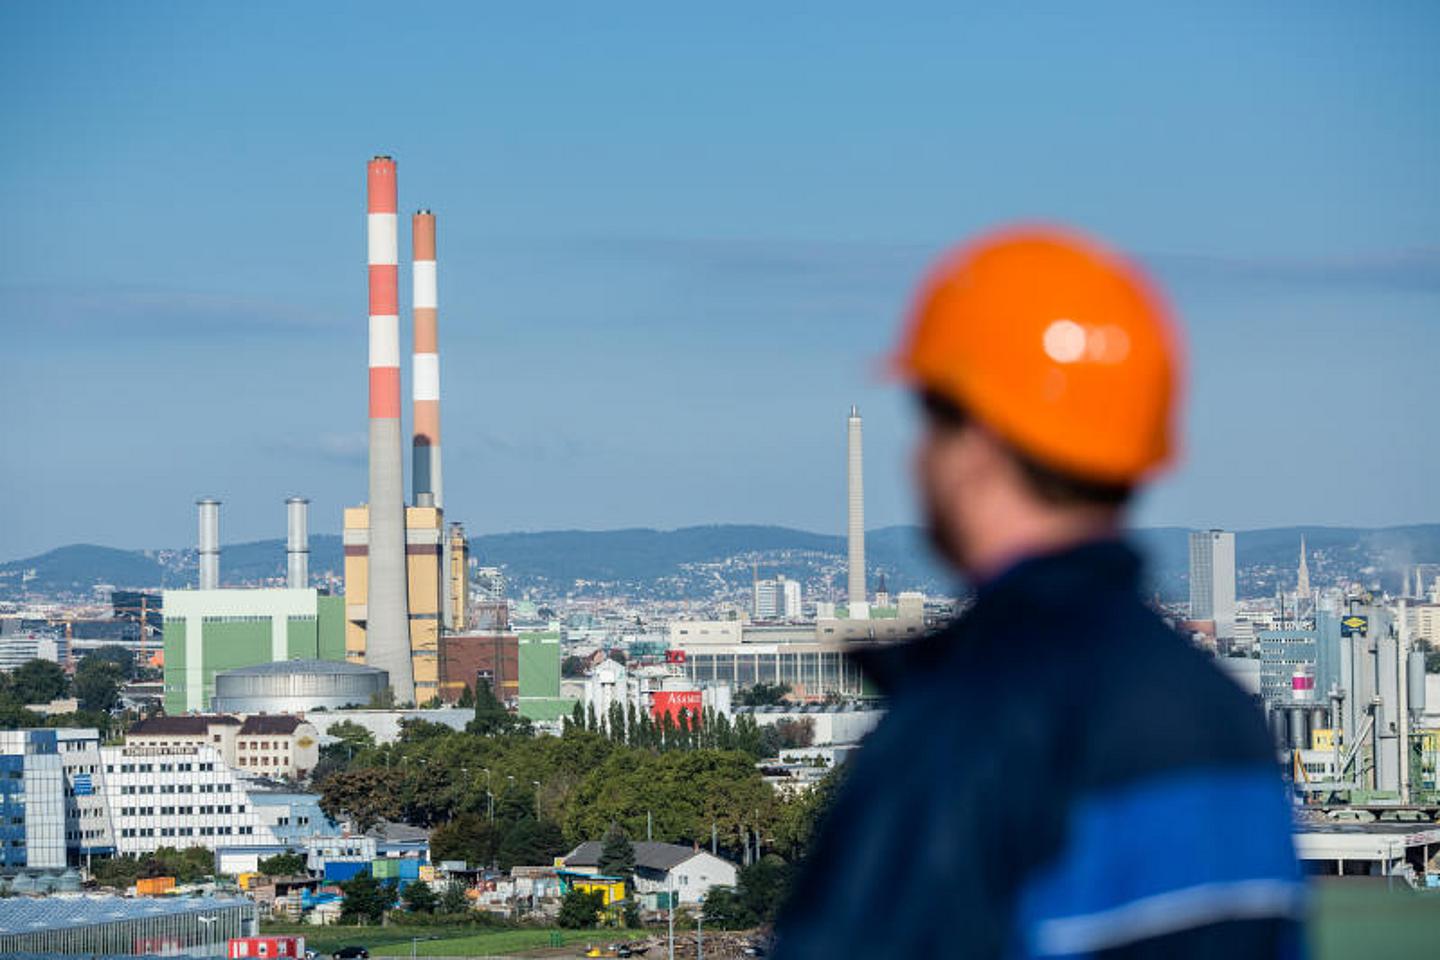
(338, 871)
(410, 869)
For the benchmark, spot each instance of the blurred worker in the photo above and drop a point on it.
(1059, 773)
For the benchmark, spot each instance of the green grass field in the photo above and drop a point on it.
(395, 941)
(1347, 922)
(1372, 923)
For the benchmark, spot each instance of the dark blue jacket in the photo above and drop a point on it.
(1059, 775)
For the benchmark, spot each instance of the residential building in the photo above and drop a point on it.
(217, 731)
(662, 867)
(1212, 580)
(277, 746)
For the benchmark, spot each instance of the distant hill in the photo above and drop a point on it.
(697, 562)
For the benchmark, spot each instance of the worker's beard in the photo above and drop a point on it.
(943, 527)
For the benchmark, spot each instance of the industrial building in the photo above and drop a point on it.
(489, 657)
(211, 631)
(214, 629)
(405, 571)
(295, 686)
(92, 925)
(814, 659)
(405, 568)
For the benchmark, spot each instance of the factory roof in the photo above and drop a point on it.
(284, 667)
(20, 915)
(188, 725)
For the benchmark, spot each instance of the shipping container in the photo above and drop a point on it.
(266, 948)
(338, 871)
(152, 886)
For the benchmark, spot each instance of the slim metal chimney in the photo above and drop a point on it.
(859, 608)
(209, 543)
(297, 543)
(387, 628)
(425, 382)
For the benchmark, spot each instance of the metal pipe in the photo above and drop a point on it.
(387, 628)
(297, 543)
(209, 543)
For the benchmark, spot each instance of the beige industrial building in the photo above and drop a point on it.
(436, 580)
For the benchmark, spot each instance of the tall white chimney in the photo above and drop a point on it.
(209, 543)
(859, 606)
(297, 543)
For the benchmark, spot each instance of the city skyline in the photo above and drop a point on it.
(180, 291)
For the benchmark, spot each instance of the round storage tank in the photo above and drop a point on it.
(294, 686)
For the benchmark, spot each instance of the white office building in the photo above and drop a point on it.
(778, 599)
(88, 830)
(1212, 580)
(177, 797)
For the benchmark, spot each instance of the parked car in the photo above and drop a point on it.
(352, 952)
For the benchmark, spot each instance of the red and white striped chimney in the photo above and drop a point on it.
(425, 382)
(387, 629)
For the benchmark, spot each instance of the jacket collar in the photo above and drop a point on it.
(1063, 577)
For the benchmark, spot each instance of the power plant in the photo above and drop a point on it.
(405, 568)
(404, 575)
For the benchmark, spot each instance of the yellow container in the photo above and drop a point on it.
(152, 886)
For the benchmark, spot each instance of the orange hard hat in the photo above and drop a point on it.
(1057, 344)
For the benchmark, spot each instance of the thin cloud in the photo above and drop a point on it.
(151, 311)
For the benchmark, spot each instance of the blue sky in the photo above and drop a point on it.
(673, 243)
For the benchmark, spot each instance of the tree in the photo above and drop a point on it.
(467, 698)
(617, 855)
(366, 899)
(283, 865)
(491, 717)
(453, 900)
(765, 695)
(468, 837)
(419, 898)
(118, 655)
(38, 681)
(530, 842)
(352, 735)
(580, 910)
(572, 667)
(366, 796)
(97, 683)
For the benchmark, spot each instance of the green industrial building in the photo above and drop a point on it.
(540, 677)
(209, 631)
